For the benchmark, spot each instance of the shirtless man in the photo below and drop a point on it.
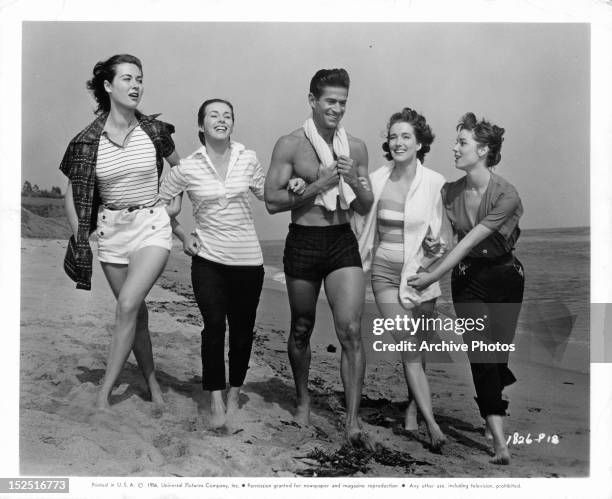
(321, 246)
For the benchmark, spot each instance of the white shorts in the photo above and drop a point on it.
(121, 232)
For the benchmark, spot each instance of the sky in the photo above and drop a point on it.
(530, 78)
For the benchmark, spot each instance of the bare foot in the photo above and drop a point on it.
(233, 395)
(155, 392)
(302, 414)
(487, 432)
(495, 424)
(102, 405)
(158, 410)
(217, 409)
(437, 438)
(410, 417)
(502, 455)
(105, 409)
(359, 439)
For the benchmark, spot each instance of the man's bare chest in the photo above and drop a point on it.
(306, 162)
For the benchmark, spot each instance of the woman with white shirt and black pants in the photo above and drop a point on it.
(227, 266)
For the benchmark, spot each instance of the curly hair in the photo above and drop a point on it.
(422, 131)
(328, 78)
(202, 114)
(485, 134)
(106, 71)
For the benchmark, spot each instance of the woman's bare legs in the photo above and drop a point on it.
(131, 283)
(116, 275)
(389, 306)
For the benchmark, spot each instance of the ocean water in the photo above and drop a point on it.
(554, 321)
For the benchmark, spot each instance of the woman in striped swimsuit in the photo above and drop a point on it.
(407, 210)
(227, 264)
(113, 167)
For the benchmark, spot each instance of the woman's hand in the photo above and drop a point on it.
(297, 185)
(191, 244)
(421, 280)
(174, 208)
(431, 246)
(364, 183)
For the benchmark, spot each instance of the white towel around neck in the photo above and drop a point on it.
(340, 144)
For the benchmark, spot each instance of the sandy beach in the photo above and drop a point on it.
(64, 342)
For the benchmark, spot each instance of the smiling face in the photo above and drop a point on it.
(218, 121)
(403, 144)
(126, 89)
(467, 151)
(329, 108)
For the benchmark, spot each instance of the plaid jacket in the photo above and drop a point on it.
(79, 165)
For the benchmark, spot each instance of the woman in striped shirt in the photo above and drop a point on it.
(227, 263)
(407, 210)
(115, 164)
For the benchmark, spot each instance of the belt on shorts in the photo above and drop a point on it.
(129, 208)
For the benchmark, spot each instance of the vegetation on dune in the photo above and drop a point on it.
(30, 190)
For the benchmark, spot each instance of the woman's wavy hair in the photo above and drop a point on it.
(202, 114)
(485, 134)
(106, 71)
(422, 131)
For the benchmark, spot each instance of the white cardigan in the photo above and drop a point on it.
(425, 198)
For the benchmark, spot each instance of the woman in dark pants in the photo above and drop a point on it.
(487, 279)
(227, 267)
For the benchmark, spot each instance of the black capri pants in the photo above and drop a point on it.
(490, 290)
(232, 292)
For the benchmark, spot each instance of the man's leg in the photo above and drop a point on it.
(303, 296)
(345, 290)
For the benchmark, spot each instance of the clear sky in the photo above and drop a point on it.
(530, 78)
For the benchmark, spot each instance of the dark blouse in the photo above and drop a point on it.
(499, 210)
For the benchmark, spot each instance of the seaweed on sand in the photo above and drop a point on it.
(349, 460)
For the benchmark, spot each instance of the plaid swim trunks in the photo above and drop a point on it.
(312, 253)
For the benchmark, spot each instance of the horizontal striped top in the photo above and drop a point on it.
(221, 208)
(127, 176)
(390, 223)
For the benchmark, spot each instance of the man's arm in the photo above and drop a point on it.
(276, 195)
(354, 171)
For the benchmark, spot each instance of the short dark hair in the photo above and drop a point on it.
(202, 113)
(422, 131)
(328, 78)
(106, 71)
(486, 134)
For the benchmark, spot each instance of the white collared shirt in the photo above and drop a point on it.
(221, 208)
